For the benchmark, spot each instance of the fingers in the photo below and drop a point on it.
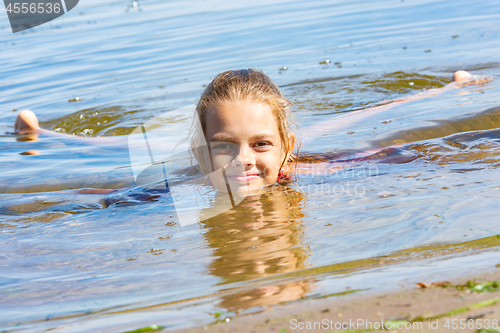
(26, 121)
(461, 76)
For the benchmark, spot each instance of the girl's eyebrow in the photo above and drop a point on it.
(227, 138)
(261, 136)
(220, 137)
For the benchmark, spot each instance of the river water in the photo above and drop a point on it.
(115, 262)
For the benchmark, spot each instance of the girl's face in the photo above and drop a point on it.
(244, 142)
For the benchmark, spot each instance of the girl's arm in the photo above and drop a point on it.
(27, 124)
(333, 165)
(460, 78)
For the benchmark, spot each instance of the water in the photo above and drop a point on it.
(82, 262)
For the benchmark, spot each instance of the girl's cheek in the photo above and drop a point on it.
(270, 174)
(221, 161)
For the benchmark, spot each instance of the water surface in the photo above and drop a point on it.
(90, 262)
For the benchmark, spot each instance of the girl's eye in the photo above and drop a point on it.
(222, 146)
(263, 144)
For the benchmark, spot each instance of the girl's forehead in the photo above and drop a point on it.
(228, 111)
(240, 116)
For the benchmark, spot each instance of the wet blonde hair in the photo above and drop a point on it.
(251, 85)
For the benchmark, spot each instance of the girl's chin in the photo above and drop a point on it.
(243, 189)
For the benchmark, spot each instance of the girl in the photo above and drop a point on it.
(248, 129)
(247, 140)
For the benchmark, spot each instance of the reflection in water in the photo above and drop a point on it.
(474, 139)
(475, 147)
(262, 236)
(489, 119)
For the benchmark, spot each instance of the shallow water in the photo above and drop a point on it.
(90, 262)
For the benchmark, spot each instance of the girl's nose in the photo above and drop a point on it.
(244, 159)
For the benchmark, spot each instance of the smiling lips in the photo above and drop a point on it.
(244, 177)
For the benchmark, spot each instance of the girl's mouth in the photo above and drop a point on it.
(244, 178)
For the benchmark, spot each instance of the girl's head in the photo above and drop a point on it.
(248, 128)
